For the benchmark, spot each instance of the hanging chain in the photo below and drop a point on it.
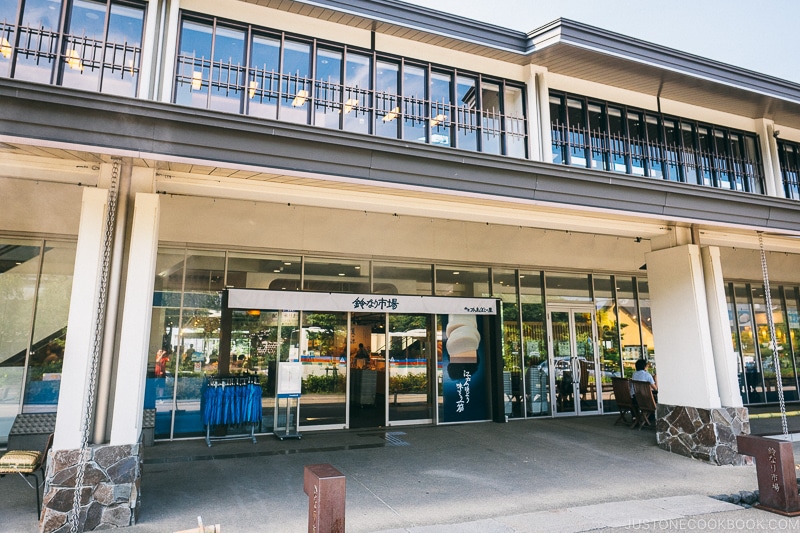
(772, 338)
(99, 324)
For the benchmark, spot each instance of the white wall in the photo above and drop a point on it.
(257, 225)
(23, 199)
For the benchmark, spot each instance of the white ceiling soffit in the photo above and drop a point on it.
(773, 242)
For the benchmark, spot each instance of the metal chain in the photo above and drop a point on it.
(99, 324)
(772, 337)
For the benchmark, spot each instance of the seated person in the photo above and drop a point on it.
(642, 374)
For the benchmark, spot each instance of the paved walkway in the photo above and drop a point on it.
(568, 475)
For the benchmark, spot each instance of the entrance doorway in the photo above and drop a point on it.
(573, 360)
(367, 370)
(399, 363)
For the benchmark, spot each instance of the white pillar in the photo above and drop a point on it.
(171, 30)
(545, 134)
(150, 51)
(684, 356)
(81, 321)
(773, 182)
(725, 362)
(135, 333)
(534, 117)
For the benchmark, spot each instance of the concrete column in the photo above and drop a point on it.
(135, 334)
(81, 321)
(682, 336)
(171, 30)
(720, 326)
(773, 182)
(690, 418)
(534, 117)
(543, 90)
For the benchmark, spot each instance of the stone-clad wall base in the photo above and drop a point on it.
(705, 434)
(109, 493)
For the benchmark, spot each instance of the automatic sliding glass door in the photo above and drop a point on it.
(410, 367)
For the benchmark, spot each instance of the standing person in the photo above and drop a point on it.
(362, 355)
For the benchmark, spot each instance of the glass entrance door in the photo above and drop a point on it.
(410, 363)
(367, 370)
(573, 361)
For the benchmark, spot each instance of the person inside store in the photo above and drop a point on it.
(162, 360)
(362, 356)
(642, 374)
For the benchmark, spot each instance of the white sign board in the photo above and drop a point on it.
(290, 379)
(326, 301)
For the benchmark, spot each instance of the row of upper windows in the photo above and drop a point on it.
(609, 136)
(96, 45)
(253, 71)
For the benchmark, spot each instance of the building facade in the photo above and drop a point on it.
(404, 216)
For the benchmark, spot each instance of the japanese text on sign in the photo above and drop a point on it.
(463, 392)
(375, 303)
(773, 467)
(480, 309)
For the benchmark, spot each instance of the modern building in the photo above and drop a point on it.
(403, 216)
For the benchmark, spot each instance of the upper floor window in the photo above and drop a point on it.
(789, 156)
(93, 45)
(307, 81)
(605, 136)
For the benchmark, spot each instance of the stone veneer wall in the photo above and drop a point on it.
(110, 491)
(705, 434)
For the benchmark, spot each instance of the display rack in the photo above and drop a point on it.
(231, 401)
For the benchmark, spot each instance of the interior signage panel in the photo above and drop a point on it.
(316, 301)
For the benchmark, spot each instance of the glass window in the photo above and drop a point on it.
(83, 47)
(491, 118)
(194, 64)
(558, 130)
(577, 132)
(566, 287)
(227, 73)
(411, 355)
(514, 124)
(597, 128)
(655, 156)
(414, 104)
(39, 33)
(636, 142)
(328, 90)
(672, 143)
(296, 85)
(471, 282)
(646, 322)
(50, 327)
(616, 140)
(504, 287)
(628, 324)
(259, 271)
(387, 103)
(334, 275)
(441, 114)
(263, 85)
(534, 344)
(123, 50)
(467, 113)
(19, 266)
(8, 22)
(323, 354)
(357, 93)
(608, 333)
(401, 278)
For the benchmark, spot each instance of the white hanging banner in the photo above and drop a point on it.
(327, 301)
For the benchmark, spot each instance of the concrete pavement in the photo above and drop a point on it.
(569, 475)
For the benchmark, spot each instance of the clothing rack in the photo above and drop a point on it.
(230, 401)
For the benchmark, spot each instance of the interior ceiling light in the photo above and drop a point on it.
(74, 60)
(252, 92)
(5, 48)
(391, 115)
(438, 119)
(197, 80)
(300, 98)
(349, 105)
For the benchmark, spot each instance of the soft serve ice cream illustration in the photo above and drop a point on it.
(463, 338)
